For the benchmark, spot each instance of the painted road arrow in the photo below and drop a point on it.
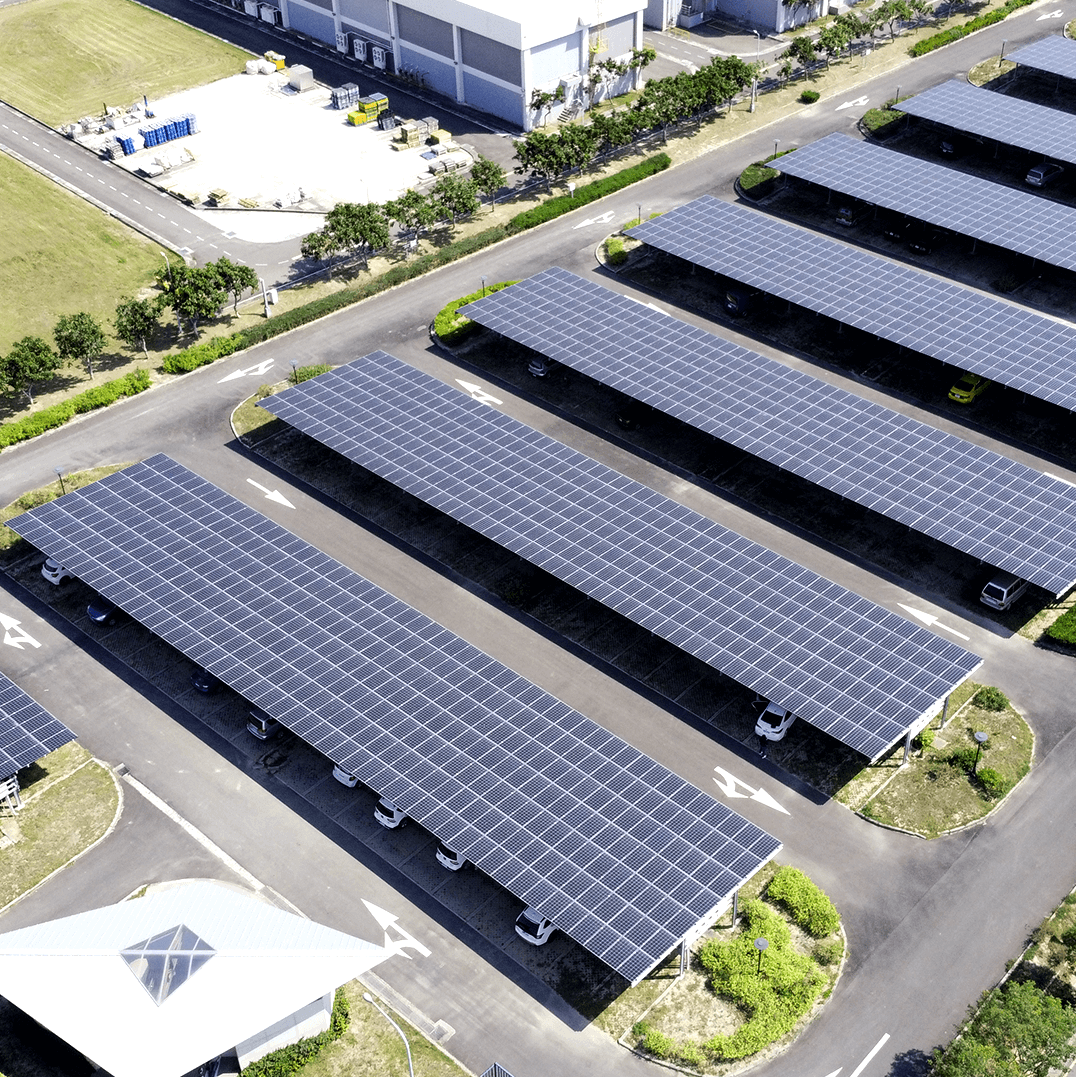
(728, 785)
(605, 218)
(386, 920)
(272, 495)
(859, 101)
(930, 620)
(478, 393)
(260, 369)
(1051, 15)
(18, 639)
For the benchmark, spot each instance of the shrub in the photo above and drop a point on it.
(882, 122)
(290, 1060)
(806, 903)
(1063, 630)
(924, 739)
(809, 97)
(452, 328)
(614, 251)
(961, 757)
(305, 373)
(993, 784)
(990, 698)
(955, 33)
(1068, 938)
(828, 953)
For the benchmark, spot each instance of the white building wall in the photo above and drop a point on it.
(309, 1021)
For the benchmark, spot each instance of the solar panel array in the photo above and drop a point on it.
(963, 107)
(27, 730)
(1055, 54)
(970, 330)
(984, 504)
(842, 663)
(1015, 220)
(623, 855)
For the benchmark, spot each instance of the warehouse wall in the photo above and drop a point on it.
(440, 74)
(494, 99)
(373, 13)
(311, 21)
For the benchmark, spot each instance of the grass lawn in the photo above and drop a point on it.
(69, 801)
(64, 59)
(60, 255)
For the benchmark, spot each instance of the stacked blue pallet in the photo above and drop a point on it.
(127, 143)
(167, 130)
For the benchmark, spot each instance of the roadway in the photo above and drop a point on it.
(930, 924)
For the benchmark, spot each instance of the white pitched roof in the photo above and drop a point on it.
(266, 963)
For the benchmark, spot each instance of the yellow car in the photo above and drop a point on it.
(968, 388)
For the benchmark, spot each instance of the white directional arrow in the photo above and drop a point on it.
(605, 218)
(852, 104)
(835, 1072)
(260, 369)
(1051, 15)
(930, 620)
(272, 495)
(478, 393)
(728, 785)
(19, 638)
(395, 946)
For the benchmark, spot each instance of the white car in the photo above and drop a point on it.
(774, 722)
(55, 573)
(533, 927)
(261, 725)
(343, 777)
(449, 859)
(388, 815)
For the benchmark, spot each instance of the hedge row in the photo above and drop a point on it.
(290, 1060)
(453, 328)
(955, 33)
(100, 396)
(806, 903)
(1063, 630)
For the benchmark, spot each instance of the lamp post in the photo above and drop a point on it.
(483, 286)
(1002, 56)
(370, 998)
(760, 945)
(167, 262)
(164, 255)
(295, 371)
(640, 213)
(754, 81)
(60, 476)
(980, 739)
(775, 143)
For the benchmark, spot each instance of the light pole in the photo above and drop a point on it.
(265, 297)
(169, 264)
(60, 476)
(980, 740)
(370, 998)
(295, 371)
(754, 81)
(760, 945)
(483, 286)
(775, 142)
(640, 213)
(171, 284)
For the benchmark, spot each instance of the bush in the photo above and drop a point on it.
(305, 373)
(964, 758)
(990, 698)
(993, 784)
(882, 122)
(955, 33)
(614, 251)
(589, 192)
(1068, 938)
(924, 739)
(828, 953)
(805, 902)
(809, 97)
(290, 1060)
(452, 328)
(1063, 630)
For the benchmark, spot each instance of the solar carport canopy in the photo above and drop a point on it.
(1015, 220)
(27, 730)
(623, 855)
(987, 114)
(853, 669)
(1001, 341)
(993, 508)
(1056, 55)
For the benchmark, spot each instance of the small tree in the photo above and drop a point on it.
(488, 177)
(136, 321)
(79, 339)
(235, 278)
(832, 39)
(194, 294)
(797, 5)
(29, 363)
(893, 13)
(412, 211)
(539, 156)
(360, 228)
(802, 51)
(455, 196)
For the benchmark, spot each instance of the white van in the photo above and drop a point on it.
(388, 815)
(1002, 591)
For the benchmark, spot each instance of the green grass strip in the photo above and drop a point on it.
(955, 33)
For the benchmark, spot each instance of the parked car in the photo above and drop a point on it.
(1002, 591)
(774, 722)
(1041, 175)
(532, 926)
(541, 367)
(923, 238)
(968, 386)
(204, 681)
(739, 299)
(896, 227)
(345, 777)
(851, 214)
(261, 725)
(55, 573)
(102, 611)
(388, 815)
(449, 859)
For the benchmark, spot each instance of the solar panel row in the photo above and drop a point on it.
(963, 107)
(623, 855)
(1055, 54)
(27, 730)
(972, 331)
(984, 504)
(1015, 220)
(848, 666)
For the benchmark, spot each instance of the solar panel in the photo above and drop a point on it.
(27, 730)
(963, 107)
(1015, 220)
(842, 663)
(984, 504)
(1054, 54)
(623, 855)
(1017, 347)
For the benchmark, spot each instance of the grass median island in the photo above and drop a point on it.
(253, 423)
(65, 58)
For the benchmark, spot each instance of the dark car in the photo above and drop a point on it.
(896, 227)
(924, 238)
(852, 214)
(739, 299)
(1044, 174)
(204, 681)
(102, 611)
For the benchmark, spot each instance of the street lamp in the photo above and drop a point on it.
(760, 945)
(167, 263)
(483, 285)
(370, 998)
(60, 476)
(640, 213)
(754, 81)
(295, 371)
(980, 739)
(775, 142)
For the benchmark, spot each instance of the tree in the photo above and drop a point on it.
(136, 321)
(359, 228)
(412, 211)
(235, 278)
(488, 177)
(921, 11)
(832, 39)
(795, 5)
(578, 143)
(194, 294)
(802, 50)
(539, 156)
(454, 195)
(79, 339)
(893, 13)
(320, 246)
(29, 363)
